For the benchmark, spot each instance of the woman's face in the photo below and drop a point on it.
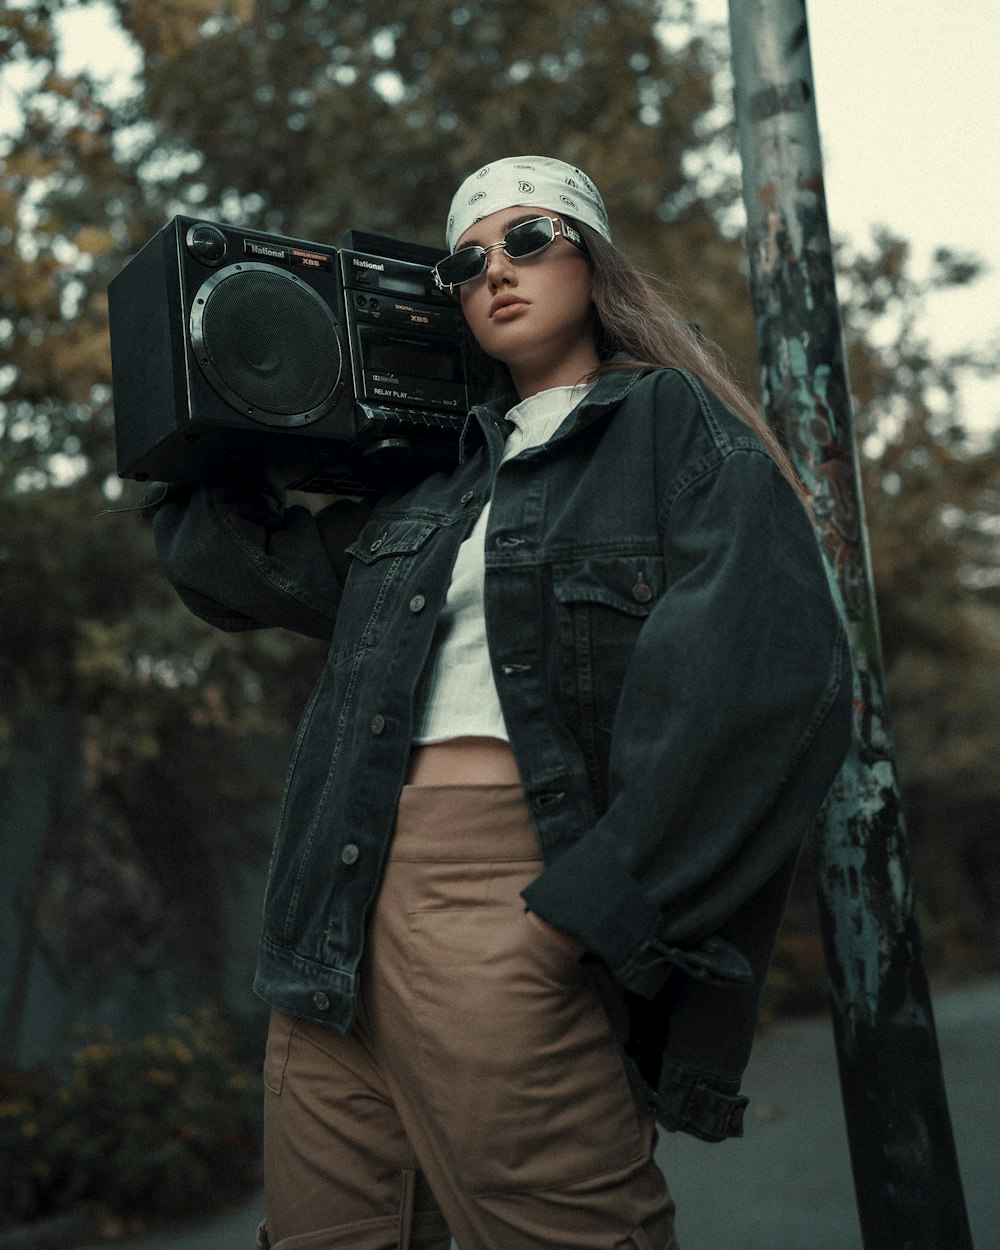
(535, 315)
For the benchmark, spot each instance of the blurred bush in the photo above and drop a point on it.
(796, 981)
(166, 1124)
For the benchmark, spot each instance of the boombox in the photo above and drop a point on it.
(341, 370)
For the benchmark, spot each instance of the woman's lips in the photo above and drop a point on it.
(506, 306)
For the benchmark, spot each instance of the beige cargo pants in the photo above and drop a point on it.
(480, 1093)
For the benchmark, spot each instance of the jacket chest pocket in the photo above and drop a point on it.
(602, 605)
(387, 538)
(383, 558)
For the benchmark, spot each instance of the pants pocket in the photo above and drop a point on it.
(517, 1055)
(279, 1041)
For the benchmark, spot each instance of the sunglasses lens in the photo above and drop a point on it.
(461, 266)
(520, 241)
(529, 237)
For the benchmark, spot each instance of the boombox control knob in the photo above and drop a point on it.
(206, 243)
(388, 450)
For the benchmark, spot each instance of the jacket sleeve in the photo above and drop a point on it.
(733, 721)
(241, 559)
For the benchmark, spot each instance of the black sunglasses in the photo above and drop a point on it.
(519, 242)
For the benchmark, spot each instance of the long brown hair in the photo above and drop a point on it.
(634, 319)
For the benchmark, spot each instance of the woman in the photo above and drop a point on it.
(585, 694)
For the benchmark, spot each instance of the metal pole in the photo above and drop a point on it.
(906, 1177)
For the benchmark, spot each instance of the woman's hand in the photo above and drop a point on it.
(568, 944)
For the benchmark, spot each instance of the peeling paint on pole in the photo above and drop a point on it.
(902, 1148)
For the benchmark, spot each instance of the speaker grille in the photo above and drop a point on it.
(267, 343)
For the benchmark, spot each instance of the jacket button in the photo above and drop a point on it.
(468, 496)
(417, 603)
(321, 1001)
(378, 725)
(642, 592)
(545, 802)
(377, 543)
(350, 854)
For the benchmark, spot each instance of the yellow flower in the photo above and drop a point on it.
(10, 1109)
(29, 1128)
(157, 1076)
(96, 1052)
(238, 1081)
(180, 1051)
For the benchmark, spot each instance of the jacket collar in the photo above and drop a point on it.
(611, 389)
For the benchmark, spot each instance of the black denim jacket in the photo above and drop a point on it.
(671, 667)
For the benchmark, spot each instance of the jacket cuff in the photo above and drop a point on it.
(159, 493)
(598, 902)
(693, 1102)
(259, 502)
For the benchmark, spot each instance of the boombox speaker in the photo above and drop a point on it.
(235, 350)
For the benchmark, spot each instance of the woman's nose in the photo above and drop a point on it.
(498, 266)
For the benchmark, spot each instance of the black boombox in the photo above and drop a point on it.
(342, 369)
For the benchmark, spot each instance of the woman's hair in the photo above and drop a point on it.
(633, 319)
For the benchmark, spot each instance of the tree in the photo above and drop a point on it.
(933, 498)
(94, 648)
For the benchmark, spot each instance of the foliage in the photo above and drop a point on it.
(933, 502)
(930, 494)
(157, 1126)
(165, 708)
(796, 980)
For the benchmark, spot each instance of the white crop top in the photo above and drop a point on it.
(458, 695)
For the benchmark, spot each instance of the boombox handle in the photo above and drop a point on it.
(394, 249)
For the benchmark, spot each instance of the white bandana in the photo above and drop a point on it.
(534, 181)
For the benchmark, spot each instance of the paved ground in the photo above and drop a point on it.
(787, 1184)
